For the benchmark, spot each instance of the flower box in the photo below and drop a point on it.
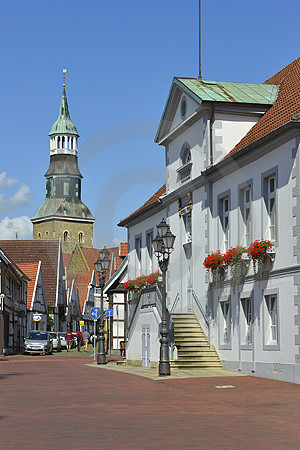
(245, 257)
(271, 252)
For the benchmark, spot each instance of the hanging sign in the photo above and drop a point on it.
(37, 317)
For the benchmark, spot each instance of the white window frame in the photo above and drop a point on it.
(271, 320)
(149, 240)
(225, 223)
(138, 253)
(271, 207)
(270, 204)
(246, 321)
(225, 324)
(247, 219)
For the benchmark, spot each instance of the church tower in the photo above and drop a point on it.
(63, 214)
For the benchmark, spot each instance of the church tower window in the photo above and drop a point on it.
(66, 188)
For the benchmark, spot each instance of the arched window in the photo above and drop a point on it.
(186, 155)
(66, 236)
(183, 108)
(80, 238)
(39, 235)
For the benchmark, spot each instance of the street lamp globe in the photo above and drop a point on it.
(168, 241)
(98, 265)
(157, 244)
(104, 254)
(162, 228)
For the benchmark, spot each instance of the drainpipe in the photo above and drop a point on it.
(211, 123)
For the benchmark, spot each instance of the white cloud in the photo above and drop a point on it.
(18, 198)
(4, 181)
(20, 227)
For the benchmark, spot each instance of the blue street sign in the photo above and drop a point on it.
(109, 312)
(95, 313)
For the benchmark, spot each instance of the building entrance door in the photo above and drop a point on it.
(146, 346)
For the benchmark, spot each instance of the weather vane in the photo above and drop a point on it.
(64, 76)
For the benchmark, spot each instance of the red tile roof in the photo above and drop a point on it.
(161, 191)
(84, 277)
(284, 109)
(28, 251)
(31, 270)
(123, 249)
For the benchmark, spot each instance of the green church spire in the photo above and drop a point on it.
(64, 124)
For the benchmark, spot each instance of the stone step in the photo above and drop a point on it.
(198, 358)
(182, 315)
(188, 340)
(184, 319)
(189, 336)
(196, 353)
(199, 365)
(188, 330)
(182, 324)
(194, 350)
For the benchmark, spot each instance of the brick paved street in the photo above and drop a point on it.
(60, 402)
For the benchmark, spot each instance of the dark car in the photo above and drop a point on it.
(38, 342)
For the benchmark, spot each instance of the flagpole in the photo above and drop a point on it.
(200, 75)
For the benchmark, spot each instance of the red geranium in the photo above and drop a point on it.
(233, 255)
(258, 249)
(214, 260)
(129, 285)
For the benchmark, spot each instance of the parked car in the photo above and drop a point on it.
(63, 342)
(38, 342)
(56, 341)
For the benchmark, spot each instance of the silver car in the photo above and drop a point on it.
(56, 341)
(38, 342)
(63, 342)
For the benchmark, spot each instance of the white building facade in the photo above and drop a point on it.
(232, 177)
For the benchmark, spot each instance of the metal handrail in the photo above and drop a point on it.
(175, 303)
(204, 315)
(140, 305)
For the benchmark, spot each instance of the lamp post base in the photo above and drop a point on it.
(101, 359)
(164, 369)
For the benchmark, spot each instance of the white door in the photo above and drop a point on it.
(146, 346)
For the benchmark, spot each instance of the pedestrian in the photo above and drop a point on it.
(86, 336)
(79, 337)
(122, 348)
(69, 339)
(93, 339)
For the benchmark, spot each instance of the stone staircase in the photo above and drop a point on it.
(194, 350)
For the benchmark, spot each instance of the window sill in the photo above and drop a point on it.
(246, 347)
(271, 347)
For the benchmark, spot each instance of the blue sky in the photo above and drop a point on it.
(121, 58)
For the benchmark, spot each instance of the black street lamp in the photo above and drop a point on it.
(163, 245)
(101, 267)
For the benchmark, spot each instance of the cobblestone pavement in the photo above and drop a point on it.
(65, 402)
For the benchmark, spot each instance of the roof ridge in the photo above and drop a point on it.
(84, 260)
